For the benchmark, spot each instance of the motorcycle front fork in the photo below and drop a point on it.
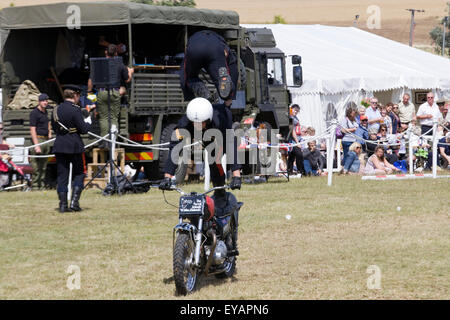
(198, 243)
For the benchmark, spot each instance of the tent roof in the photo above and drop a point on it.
(343, 59)
(99, 13)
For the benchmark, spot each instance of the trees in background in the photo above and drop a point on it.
(437, 34)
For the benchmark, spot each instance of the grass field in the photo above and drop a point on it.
(123, 245)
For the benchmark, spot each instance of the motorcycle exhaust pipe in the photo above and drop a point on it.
(212, 234)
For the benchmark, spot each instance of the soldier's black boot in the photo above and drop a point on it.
(74, 203)
(225, 83)
(63, 202)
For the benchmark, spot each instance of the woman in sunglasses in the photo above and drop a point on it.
(352, 164)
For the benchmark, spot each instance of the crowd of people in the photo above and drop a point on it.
(375, 139)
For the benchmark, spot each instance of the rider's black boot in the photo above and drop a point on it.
(220, 198)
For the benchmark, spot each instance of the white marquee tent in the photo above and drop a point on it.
(342, 64)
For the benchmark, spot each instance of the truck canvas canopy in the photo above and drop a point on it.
(103, 13)
(64, 31)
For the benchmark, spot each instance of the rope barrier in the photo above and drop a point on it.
(407, 142)
(52, 155)
(29, 147)
(324, 135)
(134, 142)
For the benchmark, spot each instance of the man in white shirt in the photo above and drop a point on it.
(374, 116)
(428, 113)
(406, 111)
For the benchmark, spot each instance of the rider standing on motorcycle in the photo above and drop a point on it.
(201, 116)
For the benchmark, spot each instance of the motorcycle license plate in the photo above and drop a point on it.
(191, 205)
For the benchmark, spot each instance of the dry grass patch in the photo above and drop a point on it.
(123, 245)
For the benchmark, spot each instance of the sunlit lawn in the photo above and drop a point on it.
(123, 244)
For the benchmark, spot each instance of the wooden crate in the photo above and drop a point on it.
(99, 158)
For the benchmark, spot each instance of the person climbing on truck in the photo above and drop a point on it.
(208, 50)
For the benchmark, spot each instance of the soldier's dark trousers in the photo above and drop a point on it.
(296, 156)
(63, 161)
(205, 51)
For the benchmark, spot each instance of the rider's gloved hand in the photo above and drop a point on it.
(235, 183)
(166, 184)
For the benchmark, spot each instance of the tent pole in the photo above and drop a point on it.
(330, 156)
(434, 149)
(410, 150)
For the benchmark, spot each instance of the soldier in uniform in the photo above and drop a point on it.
(206, 49)
(68, 123)
(115, 92)
(40, 131)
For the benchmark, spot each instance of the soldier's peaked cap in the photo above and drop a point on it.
(72, 87)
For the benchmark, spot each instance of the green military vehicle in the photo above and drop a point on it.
(51, 45)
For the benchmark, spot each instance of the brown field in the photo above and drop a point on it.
(395, 20)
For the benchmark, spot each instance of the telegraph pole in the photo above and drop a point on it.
(443, 38)
(413, 24)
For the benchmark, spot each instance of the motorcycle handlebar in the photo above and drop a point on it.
(179, 190)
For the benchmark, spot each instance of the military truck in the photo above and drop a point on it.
(52, 44)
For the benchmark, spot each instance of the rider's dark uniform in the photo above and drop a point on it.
(206, 49)
(68, 123)
(221, 120)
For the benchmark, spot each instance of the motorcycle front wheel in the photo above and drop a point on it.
(184, 272)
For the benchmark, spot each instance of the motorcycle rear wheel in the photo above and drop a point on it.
(185, 275)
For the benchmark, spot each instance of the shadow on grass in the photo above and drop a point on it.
(202, 282)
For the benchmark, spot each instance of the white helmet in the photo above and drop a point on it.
(199, 110)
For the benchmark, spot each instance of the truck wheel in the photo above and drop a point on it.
(180, 173)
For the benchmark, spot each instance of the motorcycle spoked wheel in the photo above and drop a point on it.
(230, 262)
(185, 275)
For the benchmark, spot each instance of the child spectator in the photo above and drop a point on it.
(386, 120)
(361, 112)
(382, 133)
(349, 126)
(392, 110)
(295, 137)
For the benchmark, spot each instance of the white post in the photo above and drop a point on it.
(207, 172)
(435, 125)
(113, 151)
(330, 155)
(69, 185)
(338, 145)
(410, 150)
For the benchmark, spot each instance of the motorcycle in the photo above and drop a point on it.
(205, 239)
